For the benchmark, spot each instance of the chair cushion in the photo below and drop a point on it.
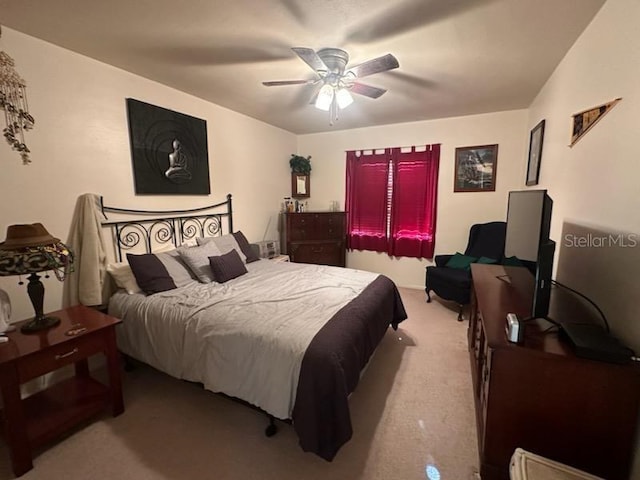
(460, 261)
(454, 277)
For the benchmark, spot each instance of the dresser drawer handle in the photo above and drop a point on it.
(317, 250)
(68, 354)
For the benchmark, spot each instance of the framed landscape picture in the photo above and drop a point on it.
(476, 169)
(535, 153)
(168, 150)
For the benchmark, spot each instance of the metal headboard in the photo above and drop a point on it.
(167, 226)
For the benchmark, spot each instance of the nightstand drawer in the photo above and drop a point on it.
(321, 253)
(58, 356)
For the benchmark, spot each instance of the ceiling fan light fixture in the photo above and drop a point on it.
(325, 98)
(344, 98)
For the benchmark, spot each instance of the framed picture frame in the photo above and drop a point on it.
(168, 150)
(476, 168)
(536, 139)
(300, 187)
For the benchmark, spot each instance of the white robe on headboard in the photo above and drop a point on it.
(88, 283)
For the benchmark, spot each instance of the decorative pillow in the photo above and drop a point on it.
(178, 270)
(245, 246)
(486, 260)
(197, 259)
(227, 266)
(123, 276)
(460, 261)
(151, 275)
(225, 244)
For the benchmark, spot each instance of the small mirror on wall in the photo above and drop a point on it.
(300, 186)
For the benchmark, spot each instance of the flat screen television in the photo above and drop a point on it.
(527, 239)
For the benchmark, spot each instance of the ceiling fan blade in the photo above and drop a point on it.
(288, 82)
(377, 65)
(367, 90)
(314, 96)
(311, 58)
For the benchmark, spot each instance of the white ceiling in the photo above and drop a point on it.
(457, 57)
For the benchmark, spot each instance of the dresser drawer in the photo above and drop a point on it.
(58, 356)
(321, 253)
(332, 224)
(301, 226)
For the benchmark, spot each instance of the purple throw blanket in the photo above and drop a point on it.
(332, 364)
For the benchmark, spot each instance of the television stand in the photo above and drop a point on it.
(539, 395)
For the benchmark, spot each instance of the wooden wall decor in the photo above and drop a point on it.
(585, 120)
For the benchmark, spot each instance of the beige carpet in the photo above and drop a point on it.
(413, 407)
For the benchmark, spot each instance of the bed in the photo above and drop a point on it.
(290, 339)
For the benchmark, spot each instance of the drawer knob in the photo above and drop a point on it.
(68, 354)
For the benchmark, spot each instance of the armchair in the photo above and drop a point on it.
(486, 241)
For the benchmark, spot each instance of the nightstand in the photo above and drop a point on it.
(280, 258)
(43, 416)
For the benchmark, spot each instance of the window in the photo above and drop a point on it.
(391, 201)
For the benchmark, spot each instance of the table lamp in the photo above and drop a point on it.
(30, 249)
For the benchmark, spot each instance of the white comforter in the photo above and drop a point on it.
(245, 338)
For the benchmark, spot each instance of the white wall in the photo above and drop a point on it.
(595, 183)
(596, 179)
(80, 144)
(456, 211)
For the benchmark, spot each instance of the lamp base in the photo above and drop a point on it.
(38, 324)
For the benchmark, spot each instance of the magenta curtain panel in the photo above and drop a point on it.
(392, 201)
(414, 202)
(367, 204)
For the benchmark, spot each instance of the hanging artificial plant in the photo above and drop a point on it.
(300, 164)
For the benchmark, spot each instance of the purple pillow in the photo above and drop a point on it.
(151, 274)
(227, 267)
(245, 247)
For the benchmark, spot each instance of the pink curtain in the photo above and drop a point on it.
(391, 201)
(414, 202)
(366, 202)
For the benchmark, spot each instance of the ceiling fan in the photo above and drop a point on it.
(329, 64)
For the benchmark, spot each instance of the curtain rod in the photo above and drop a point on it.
(425, 147)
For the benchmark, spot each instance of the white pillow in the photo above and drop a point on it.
(225, 244)
(123, 276)
(197, 259)
(192, 242)
(164, 247)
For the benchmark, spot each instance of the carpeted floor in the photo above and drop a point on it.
(412, 408)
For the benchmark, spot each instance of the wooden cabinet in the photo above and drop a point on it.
(314, 237)
(538, 395)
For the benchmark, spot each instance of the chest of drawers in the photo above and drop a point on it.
(314, 237)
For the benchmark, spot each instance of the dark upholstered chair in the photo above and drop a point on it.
(485, 240)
